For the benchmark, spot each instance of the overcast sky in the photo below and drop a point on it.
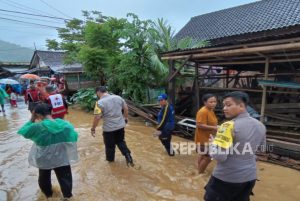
(177, 12)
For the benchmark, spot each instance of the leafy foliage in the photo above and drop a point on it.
(121, 53)
(86, 98)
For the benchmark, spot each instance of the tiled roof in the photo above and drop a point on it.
(255, 17)
(55, 60)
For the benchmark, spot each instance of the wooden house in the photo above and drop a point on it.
(261, 37)
(48, 63)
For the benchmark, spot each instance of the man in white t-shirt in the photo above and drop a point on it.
(110, 108)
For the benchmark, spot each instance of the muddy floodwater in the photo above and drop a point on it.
(156, 176)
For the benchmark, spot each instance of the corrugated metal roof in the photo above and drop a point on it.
(55, 60)
(15, 69)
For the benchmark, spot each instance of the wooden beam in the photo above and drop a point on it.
(249, 62)
(283, 145)
(260, 54)
(197, 91)
(282, 124)
(240, 51)
(264, 95)
(251, 90)
(171, 84)
(227, 78)
(273, 58)
(175, 73)
(276, 106)
(257, 75)
(285, 118)
(212, 49)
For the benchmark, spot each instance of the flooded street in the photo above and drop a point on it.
(157, 176)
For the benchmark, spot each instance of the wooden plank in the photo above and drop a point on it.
(197, 91)
(241, 51)
(287, 139)
(282, 106)
(282, 124)
(284, 133)
(211, 49)
(289, 85)
(248, 90)
(172, 83)
(276, 56)
(257, 75)
(264, 94)
(218, 63)
(283, 144)
(282, 117)
(285, 111)
(176, 72)
(137, 111)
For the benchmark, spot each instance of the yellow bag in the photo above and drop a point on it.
(224, 136)
(97, 109)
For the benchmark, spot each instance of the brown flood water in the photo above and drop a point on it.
(158, 177)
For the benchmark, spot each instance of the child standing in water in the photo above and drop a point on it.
(54, 148)
(13, 99)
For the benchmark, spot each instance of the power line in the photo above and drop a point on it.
(21, 29)
(20, 48)
(43, 25)
(12, 11)
(7, 3)
(54, 8)
(27, 7)
(22, 26)
(32, 18)
(15, 5)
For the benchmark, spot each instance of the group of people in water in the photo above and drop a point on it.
(34, 91)
(232, 179)
(8, 93)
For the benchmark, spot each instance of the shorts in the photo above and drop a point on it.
(203, 150)
(218, 190)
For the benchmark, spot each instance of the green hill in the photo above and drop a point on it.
(10, 52)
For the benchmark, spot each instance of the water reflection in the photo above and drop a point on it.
(159, 177)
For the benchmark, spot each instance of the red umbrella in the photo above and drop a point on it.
(30, 77)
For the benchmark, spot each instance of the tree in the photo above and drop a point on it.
(101, 50)
(121, 53)
(162, 39)
(92, 42)
(135, 72)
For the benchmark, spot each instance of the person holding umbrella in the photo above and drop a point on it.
(9, 85)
